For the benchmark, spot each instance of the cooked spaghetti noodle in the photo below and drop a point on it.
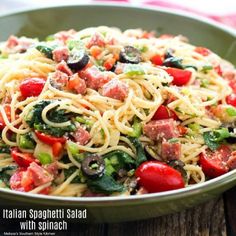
(83, 112)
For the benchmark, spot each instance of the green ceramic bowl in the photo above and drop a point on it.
(202, 32)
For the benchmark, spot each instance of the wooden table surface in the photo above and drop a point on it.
(214, 218)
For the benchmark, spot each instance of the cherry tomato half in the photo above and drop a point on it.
(164, 112)
(180, 77)
(31, 87)
(213, 163)
(22, 159)
(48, 139)
(231, 99)
(157, 60)
(7, 109)
(156, 176)
(57, 149)
(203, 51)
(21, 181)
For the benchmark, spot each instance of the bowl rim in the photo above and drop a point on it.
(161, 196)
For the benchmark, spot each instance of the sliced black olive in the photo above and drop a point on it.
(93, 166)
(231, 139)
(179, 165)
(78, 59)
(130, 54)
(173, 62)
(169, 53)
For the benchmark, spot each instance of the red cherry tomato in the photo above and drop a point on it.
(31, 87)
(203, 51)
(232, 84)
(156, 176)
(157, 60)
(7, 109)
(22, 159)
(48, 139)
(57, 149)
(180, 77)
(45, 191)
(164, 112)
(182, 130)
(218, 70)
(231, 99)
(21, 181)
(213, 163)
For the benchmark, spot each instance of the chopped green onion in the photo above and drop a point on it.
(137, 128)
(231, 111)
(45, 158)
(194, 127)
(205, 83)
(131, 70)
(131, 172)
(220, 134)
(73, 148)
(82, 120)
(206, 68)
(77, 44)
(26, 141)
(49, 38)
(173, 140)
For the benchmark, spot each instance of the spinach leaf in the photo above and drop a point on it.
(207, 136)
(173, 62)
(141, 157)
(6, 172)
(69, 172)
(35, 115)
(58, 116)
(34, 120)
(47, 51)
(4, 148)
(105, 184)
(119, 160)
(54, 131)
(214, 138)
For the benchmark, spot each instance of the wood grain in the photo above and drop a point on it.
(230, 211)
(205, 220)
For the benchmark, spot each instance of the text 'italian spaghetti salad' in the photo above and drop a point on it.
(102, 112)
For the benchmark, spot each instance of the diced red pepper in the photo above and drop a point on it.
(157, 60)
(48, 139)
(180, 77)
(22, 159)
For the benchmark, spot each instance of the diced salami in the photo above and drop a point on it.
(60, 54)
(161, 129)
(119, 69)
(65, 35)
(18, 45)
(59, 79)
(52, 168)
(96, 40)
(63, 67)
(94, 78)
(39, 175)
(231, 163)
(12, 41)
(115, 89)
(82, 136)
(77, 84)
(170, 151)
